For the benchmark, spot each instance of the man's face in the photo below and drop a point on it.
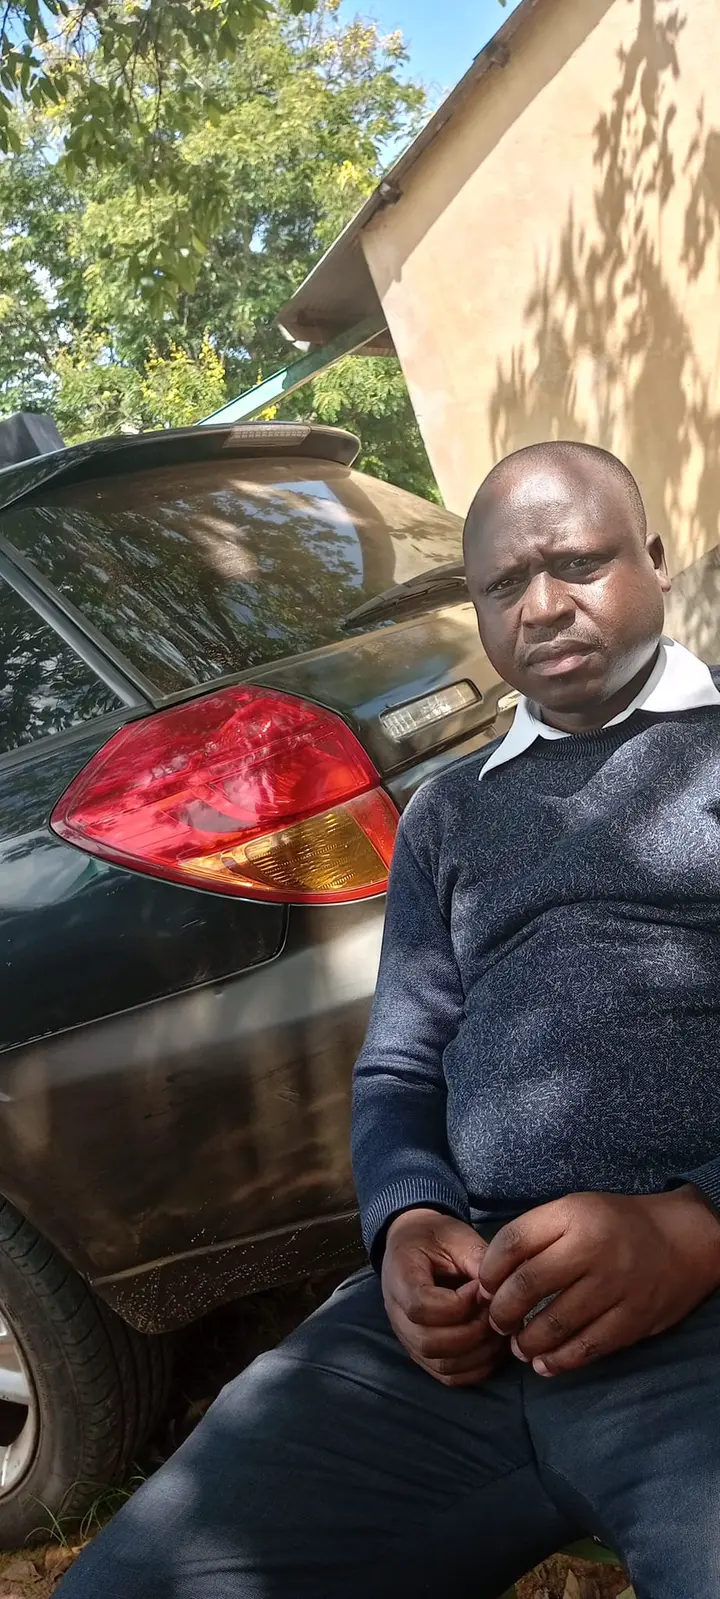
(568, 595)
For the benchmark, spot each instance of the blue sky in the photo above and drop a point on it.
(442, 37)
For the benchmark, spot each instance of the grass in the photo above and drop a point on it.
(69, 1533)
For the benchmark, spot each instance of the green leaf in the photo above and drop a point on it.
(158, 222)
(10, 140)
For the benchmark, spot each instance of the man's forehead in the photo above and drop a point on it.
(537, 508)
(545, 487)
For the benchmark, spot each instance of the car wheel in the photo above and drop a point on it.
(79, 1390)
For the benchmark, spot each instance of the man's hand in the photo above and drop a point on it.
(433, 1300)
(622, 1268)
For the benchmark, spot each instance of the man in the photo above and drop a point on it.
(543, 1061)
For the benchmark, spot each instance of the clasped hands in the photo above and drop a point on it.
(616, 1269)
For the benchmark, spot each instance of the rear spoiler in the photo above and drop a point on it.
(101, 458)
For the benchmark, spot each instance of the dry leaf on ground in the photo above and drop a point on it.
(20, 1570)
(563, 1577)
(58, 1560)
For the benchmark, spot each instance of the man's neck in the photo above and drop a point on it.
(592, 717)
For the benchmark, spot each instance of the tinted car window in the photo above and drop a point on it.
(44, 686)
(202, 570)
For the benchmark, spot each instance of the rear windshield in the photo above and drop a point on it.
(199, 571)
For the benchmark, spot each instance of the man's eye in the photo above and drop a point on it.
(581, 563)
(502, 584)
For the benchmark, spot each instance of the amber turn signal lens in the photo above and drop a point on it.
(338, 855)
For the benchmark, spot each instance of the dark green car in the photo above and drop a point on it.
(223, 671)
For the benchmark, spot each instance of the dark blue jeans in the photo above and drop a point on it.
(336, 1469)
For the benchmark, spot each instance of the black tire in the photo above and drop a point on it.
(99, 1386)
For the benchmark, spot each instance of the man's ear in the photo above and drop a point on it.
(654, 548)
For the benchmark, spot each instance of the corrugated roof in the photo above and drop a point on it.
(340, 291)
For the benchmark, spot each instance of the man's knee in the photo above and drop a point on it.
(213, 1500)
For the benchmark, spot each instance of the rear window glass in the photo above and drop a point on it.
(44, 685)
(206, 569)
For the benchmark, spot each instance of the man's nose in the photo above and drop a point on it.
(547, 603)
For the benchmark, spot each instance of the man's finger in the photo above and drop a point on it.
(462, 1364)
(440, 1343)
(470, 1379)
(463, 1248)
(535, 1279)
(471, 1376)
(602, 1337)
(426, 1305)
(520, 1240)
(584, 1302)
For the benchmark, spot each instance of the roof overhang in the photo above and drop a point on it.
(340, 291)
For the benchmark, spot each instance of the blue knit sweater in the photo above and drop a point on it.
(547, 1016)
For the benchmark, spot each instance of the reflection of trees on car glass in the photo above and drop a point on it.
(204, 569)
(44, 686)
(197, 584)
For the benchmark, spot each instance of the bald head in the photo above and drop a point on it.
(567, 584)
(584, 468)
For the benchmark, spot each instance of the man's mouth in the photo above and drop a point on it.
(554, 660)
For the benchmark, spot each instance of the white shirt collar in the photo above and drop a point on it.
(678, 682)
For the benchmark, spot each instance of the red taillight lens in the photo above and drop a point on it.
(248, 791)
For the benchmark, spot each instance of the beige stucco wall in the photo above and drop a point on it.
(553, 267)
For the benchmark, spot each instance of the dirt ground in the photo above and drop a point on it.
(208, 1356)
(35, 1575)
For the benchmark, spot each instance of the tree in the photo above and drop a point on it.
(96, 396)
(368, 395)
(110, 65)
(294, 143)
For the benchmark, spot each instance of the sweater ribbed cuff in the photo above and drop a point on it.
(409, 1194)
(706, 1178)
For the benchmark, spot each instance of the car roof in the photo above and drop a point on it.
(138, 451)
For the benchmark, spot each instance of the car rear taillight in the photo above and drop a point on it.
(247, 791)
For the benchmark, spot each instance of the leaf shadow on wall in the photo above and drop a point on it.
(608, 346)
